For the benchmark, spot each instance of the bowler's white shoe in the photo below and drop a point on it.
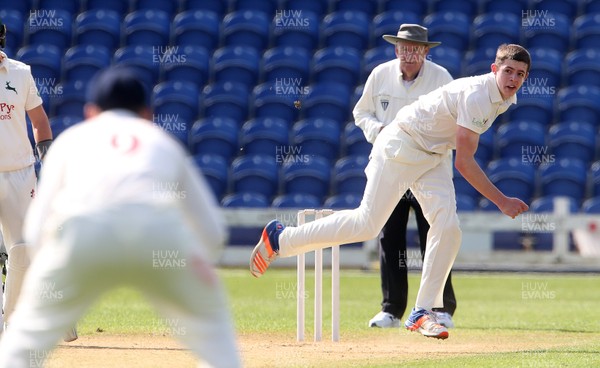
(384, 320)
(444, 319)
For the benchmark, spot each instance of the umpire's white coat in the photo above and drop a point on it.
(120, 203)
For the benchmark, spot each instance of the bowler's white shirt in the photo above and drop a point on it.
(118, 159)
(471, 102)
(18, 94)
(385, 93)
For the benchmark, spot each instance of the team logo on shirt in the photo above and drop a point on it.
(385, 104)
(479, 123)
(10, 88)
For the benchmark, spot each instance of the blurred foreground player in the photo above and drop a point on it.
(411, 150)
(119, 203)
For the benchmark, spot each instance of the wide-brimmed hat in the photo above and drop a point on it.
(413, 33)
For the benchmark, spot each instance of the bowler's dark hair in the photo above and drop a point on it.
(117, 88)
(512, 52)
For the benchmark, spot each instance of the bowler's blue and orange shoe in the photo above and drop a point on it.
(424, 321)
(267, 249)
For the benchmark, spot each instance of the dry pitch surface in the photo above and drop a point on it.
(270, 350)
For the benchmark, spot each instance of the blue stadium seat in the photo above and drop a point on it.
(564, 177)
(82, 62)
(70, 100)
(513, 177)
(547, 30)
(478, 61)
(346, 28)
(59, 124)
(119, 6)
(594, 175)
(590, 6)
(490, 30)
(467, 7)
(307, 175)
(568, 8)
(276, 100)
(296, 28)
(347, 201)
(451, 28)
(420, 8)
(23, 6)
(368, 7)
(176, 102)
(349, 175)
(354, 141)
(286, 63)
(50, 27)
(546, 204)
(375, 56)
(220, 7)
(337, 64)
(216, 171)
(328, 101)
(98, 27)
(13, 19)
(582, 67)
(170, 7)
(591, 205)
(266, 6)
(465, 203)
(147, 27)
(521, 139)
(318, 7)
(251, 200)
(256, 174)
(228, 99)
(447, 57)
(45, 60)
(195, 65)
(485, 149)
(217, 136)
(72, 7)
(573, 139)
(198, 28)
(388, 23)
(579, 103)
(545, 77)
(239, 64)
(586, 31)
(317, 137)
(299, 201)
(539, 109)
(141, 59)
(246, 28)
(515, 7)
(266, 136)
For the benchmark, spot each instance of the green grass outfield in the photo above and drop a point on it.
(515, 312)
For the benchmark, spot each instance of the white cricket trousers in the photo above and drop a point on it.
(397, 163)
(148, 248)
(17, 189)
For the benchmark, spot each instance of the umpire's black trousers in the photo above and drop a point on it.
(393, 258)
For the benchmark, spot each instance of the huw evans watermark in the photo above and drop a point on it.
(537, 19)
(168, 55)
(290, 154)
(536, 290)
(536, 155)
(290, 19)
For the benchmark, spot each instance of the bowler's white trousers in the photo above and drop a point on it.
(147, 248)
(397, 163)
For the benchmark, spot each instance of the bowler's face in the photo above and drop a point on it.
(510, 77)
